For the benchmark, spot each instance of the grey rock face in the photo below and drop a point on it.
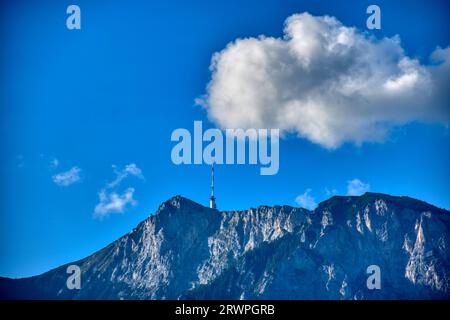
(188, 251)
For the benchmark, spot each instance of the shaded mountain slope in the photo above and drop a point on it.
(188, 251)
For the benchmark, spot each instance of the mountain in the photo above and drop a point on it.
(188, 251)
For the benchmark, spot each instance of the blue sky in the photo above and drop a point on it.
(113, 92)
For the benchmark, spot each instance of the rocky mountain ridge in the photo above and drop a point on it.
(188, 251)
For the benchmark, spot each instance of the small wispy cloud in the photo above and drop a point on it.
(112, 200)
(130, 169)
(306, 200)
(54, 163)
(20, 161)
(356, 187)
(330, 192)
(67, 178)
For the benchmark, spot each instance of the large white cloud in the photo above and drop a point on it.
(325, 82)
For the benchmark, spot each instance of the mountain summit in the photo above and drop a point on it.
(188, 251)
